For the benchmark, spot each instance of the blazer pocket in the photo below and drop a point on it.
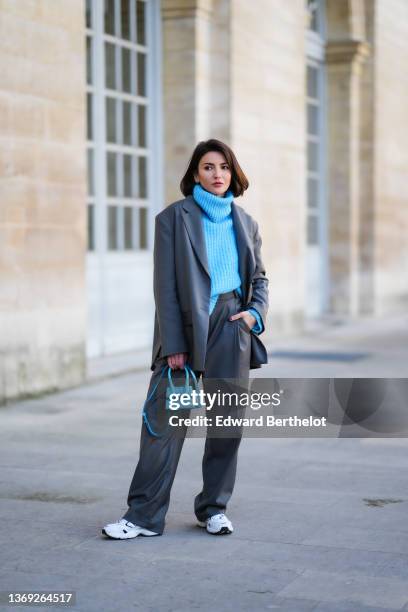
(244, 325)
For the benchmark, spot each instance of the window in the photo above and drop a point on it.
(316, 260)
(315, 121)
(117, 60)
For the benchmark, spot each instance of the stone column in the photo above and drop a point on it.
(344, 60)
(186, 84)
(43, 197)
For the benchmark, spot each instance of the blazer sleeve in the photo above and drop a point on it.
(260, 296)
(172, 337)
(258, 327)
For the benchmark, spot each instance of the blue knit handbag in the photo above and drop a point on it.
(186, 402)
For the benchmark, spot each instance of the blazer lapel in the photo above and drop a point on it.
(246, 259)
(193, 223)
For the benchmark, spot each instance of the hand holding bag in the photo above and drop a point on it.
(187, 403)
(185, 399)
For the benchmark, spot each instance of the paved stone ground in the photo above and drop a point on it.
(306, 538)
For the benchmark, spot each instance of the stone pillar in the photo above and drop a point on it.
(390, 252)
(268, 127)
(344, 60)
(186, 28)
(43, 196)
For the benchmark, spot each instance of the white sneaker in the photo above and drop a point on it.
(123, 530)
(218, 524)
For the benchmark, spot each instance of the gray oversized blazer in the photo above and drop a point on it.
(182, 282)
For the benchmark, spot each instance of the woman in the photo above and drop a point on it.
(211, 297)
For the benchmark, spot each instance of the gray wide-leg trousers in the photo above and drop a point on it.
(227, 357)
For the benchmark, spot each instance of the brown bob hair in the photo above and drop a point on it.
(239, 182)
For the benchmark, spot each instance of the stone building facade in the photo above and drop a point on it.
(43, 190)
(101, 104)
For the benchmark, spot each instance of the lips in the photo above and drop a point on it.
(217, 184)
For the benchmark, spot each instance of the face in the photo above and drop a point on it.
(214, 173)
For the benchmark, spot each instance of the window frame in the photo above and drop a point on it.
(99, 147)
(315, 58)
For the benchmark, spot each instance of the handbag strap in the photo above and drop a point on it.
(171, 380)
(149, 397)
(193, 376)
(188, 371)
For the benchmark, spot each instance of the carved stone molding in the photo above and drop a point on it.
(179, 9)
(346, 51)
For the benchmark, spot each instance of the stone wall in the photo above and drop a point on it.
(43, 191)
(268, 134)
(368, 156)
(391, 156)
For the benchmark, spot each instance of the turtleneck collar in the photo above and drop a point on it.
(217, 208)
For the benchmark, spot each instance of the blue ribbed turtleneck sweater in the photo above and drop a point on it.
(222, 252)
